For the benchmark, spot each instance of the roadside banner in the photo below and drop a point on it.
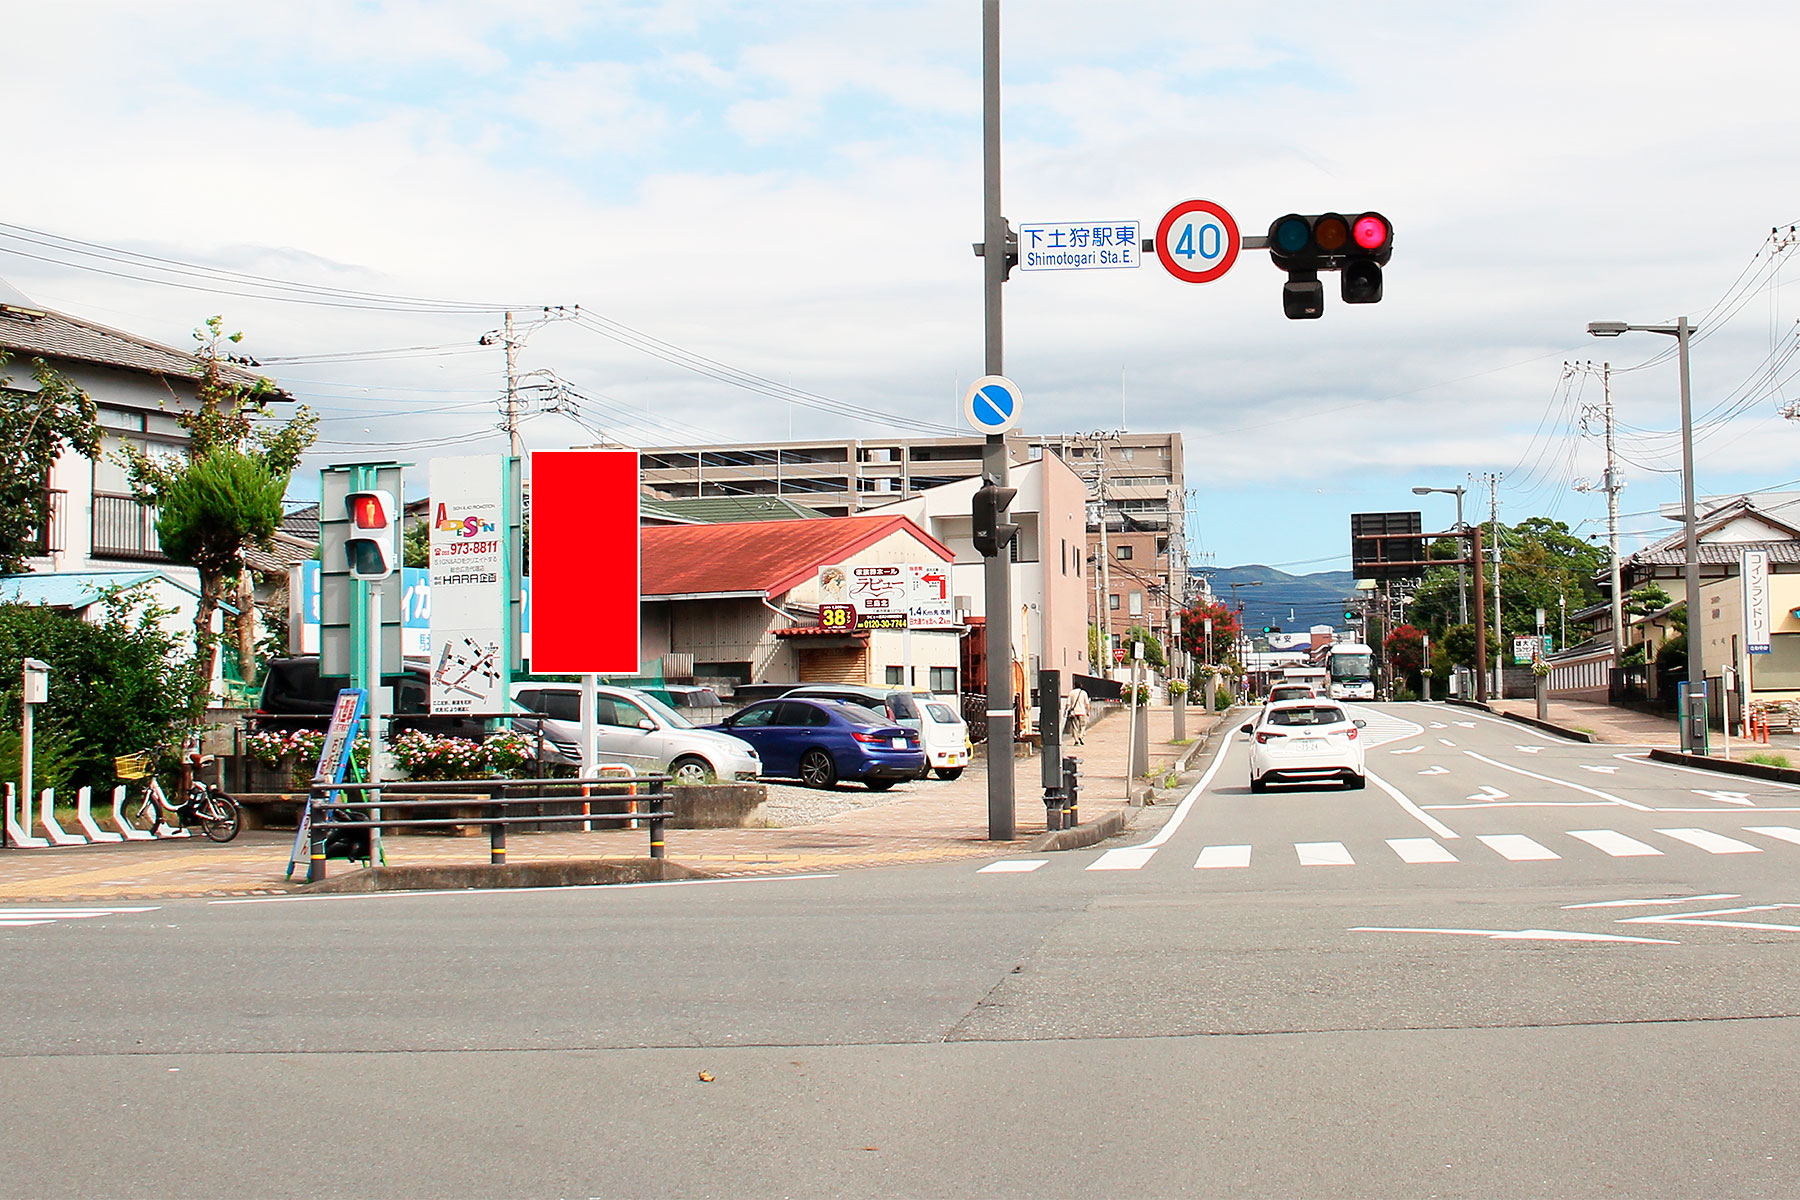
(1756, 602)
(468, 595)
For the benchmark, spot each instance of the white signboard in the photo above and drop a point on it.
(1078, 245)
(1526, 648)
(468, 601)
(921, 591)
(1756, 601)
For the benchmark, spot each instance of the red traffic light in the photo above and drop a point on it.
(1371, 232)
(370, 510)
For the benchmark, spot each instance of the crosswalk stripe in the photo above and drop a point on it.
(1127, 858)
(1517, 847)
(1712, 843)
(1614, 843)
(1222, 856)
(1420, 850)
(1324, 854)
(1012, 866)
(1785, 833)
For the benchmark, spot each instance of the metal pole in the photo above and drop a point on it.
(375, 709)
(1696, 670)
(1462, 571)
(998, 569)
(1481, 631)
(1612, 520)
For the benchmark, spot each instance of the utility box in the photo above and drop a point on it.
(37, 681)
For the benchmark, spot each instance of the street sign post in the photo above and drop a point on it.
(1078, 246)
(1198, 241)
(991, 404)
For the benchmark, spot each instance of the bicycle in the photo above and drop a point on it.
(206, 805)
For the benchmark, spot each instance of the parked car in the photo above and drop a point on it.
(296, 696)
(1298, 741)
(822, 741)
(943, 734)
(633, 728)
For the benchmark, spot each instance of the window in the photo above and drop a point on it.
(896, 676)
(1123, 553)
(943, 680)
(627, 714)
(1112, 602)
(1307, 716)
(756, 717)
(1137, 604)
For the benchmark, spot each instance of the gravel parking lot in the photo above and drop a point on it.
(790, 804)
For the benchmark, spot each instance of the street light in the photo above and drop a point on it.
(1682, 332)
(1462, 571)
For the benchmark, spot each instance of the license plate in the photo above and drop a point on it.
(1308, 743)
(899, 743)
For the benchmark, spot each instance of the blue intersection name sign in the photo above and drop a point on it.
(991, 404)
(1078, 246)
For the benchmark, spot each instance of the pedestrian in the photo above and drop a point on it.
(1078, 714)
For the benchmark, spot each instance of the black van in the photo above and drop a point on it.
(296, 696)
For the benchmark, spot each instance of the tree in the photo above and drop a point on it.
(1460, 646)
(216, 502)
(35, 427)
(1405, 649)
(1153, 649)
(1646, 599)
(1194, 639)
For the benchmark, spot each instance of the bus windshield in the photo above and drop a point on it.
(1351, 666)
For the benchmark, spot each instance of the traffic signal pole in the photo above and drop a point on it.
(997, 570)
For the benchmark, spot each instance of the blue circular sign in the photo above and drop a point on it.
(992, 405)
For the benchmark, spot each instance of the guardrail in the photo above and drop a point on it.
(502, 802)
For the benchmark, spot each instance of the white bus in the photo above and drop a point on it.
(1351, 666)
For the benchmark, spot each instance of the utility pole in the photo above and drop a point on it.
(515, 440)
(1105, 617)
(1493, 482)
(998, 568)
(1613, 485)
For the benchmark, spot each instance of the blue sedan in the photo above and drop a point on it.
(822, 741)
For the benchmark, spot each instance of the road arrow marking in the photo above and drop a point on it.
(1446, 741)
(1435, 771)
(1439, 725)
(1489, 793)
(1601, 770)
(1726, 797)
(1466, 724)
(1528, 749)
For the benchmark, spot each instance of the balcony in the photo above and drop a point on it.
(123, 528)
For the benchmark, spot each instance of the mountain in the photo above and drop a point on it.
(1293, 603)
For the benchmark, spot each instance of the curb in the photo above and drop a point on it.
(1574, 735)
(580, 872)
(1111, 825)
(1726, 766)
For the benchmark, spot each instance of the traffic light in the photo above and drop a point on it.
(992, 532)
(1350, 615)
(1358, 246)
(373, 542)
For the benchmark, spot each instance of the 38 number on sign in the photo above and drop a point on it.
(838, 617)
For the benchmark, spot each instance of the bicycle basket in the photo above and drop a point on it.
(132, 766)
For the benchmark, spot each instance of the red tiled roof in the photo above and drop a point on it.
(764, 557)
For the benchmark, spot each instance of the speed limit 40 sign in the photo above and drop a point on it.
(1198, 241)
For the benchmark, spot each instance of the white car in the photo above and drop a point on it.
(1299, 741)
(943, 734)
(634, 729)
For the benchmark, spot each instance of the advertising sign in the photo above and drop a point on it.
(1526, 648)
(584, 561)
(1756, 601)
(917, 592)
(468, 595)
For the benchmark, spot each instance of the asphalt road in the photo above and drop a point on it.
(1512, 966)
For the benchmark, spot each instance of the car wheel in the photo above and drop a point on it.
(691, 772)
(1355, 782)
(817, 770)
(949, 772)
(879, 785)
(1258, 785)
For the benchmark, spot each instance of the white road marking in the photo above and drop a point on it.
(1324, 854)
(1439, 725)
(1614, 843)
(1446, 741)
(1784, 832)
(1600, 770)
(1466, 724)
(1410, 750)
(1644, 759)
(1488, 792)
(1012, 866)
(1432, 823)
(1222, 856)
(1420, 850)
(1561, 782)
(1528, 749)
(1712, 843)
(1726, 797)
(1187, 802)
(1703, 918)
(1126, 858)
(1522, 935)
(1517, 847)
(1661, 900)
(23, 916)
(1435, 770)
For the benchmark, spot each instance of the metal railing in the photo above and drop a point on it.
(124, 528)
(501, 802)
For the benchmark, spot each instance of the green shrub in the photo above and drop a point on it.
(1769, 760)
(1222, 698)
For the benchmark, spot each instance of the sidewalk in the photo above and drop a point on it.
(1625, 726)
(929, 821)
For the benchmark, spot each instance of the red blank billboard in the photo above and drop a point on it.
(584, 562)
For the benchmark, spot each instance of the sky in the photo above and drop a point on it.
(764, 211)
